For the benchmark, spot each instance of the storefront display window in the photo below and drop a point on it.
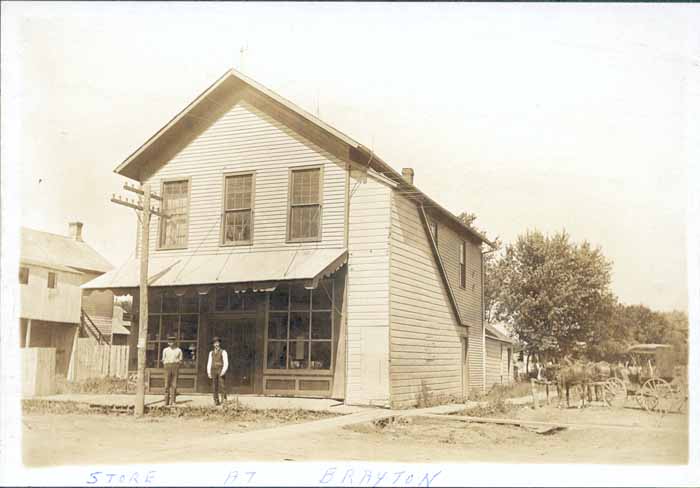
(300, 327)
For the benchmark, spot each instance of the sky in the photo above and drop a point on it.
(540, 116)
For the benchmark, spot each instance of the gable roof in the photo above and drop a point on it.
(493, 333)
(231, 81)
(60, 252)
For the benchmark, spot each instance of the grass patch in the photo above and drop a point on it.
(229, 411)
(98, 386)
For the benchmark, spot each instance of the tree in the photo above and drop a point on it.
(553, 293)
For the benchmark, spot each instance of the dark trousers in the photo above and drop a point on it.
(171, 383)
(218, 385)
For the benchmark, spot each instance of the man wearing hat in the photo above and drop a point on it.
(172, 357)
(216, 369)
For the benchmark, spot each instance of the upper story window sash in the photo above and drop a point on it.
(463, 265)
(305, 205)
(23, 275)
(176, 200)
(51, 282)
(238, 209)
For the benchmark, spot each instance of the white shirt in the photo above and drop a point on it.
(224, 357)
(172, 355)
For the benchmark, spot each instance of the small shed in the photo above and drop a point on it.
(499, 357)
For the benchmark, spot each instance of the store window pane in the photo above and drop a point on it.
(299, 325)
(236, 301)
(205, 301)
(155, 301)
(189, 354)
(277, 355)
(320, 355)
(188, 327)
(168, 326)
(279, 299)
(152, 354)
(190, 303)
(321, 325)
(298, 354)
(277, 326)
(321, 296)
(171, 303)
(300, 297)
(221, 303)
(153, 327)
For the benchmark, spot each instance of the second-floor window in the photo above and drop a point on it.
(51, 283)
(173, 230)
(463, 265)
(305, 205)
(23, 275)
(238, 209)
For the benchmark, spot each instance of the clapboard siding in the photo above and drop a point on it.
(426, 347)
(367, 381)
(245, 138)
(493, 362)
(468, 298)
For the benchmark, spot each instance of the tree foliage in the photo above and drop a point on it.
(552, 292)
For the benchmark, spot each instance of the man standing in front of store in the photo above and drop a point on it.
(216, 369)
(172, 357)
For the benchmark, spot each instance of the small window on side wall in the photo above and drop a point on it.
(305, 205)
(23, 275)
(51, 283)
(238, 209)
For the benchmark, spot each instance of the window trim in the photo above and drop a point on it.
(161, 221)
(55, 280)
(222, 242)
(21, 268)
(288, 230)
(462, 265)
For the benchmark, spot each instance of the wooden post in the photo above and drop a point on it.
(143, 302)
(534, 393)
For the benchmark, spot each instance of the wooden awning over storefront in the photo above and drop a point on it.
(259, 271)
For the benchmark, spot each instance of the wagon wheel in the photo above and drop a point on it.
(655, 394)
(615, 392)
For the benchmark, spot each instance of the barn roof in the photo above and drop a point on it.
(60, 252)
(210, 100)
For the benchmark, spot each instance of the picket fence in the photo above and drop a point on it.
(92, 360)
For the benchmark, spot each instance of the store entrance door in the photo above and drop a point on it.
(237, 334)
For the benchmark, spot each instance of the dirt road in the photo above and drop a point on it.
(123, 439)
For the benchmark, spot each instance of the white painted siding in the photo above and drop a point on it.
(498, 371)
(426, 349)
(60, 304)
(367, 381)
(247, 139)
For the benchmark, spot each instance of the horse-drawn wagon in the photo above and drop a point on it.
(656, 378)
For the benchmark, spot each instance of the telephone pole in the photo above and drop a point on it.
(146, 211)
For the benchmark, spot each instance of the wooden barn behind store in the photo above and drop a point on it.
(326, 272)
(52, 268)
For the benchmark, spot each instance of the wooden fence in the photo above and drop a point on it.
(38, 371)
(92, 360)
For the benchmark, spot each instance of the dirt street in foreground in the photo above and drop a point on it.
(81, 439)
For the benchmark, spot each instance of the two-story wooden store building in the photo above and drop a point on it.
(325, 271)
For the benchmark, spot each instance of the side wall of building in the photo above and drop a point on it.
(59, 304)
(426, 340)
(498, 370)
(369, 225)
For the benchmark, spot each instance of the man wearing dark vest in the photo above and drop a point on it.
(216, 369)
